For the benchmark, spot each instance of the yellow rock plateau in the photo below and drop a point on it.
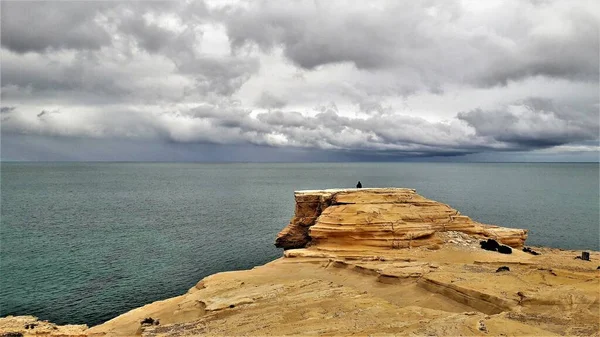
(378, 262)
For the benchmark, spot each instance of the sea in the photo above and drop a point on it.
(81, 243)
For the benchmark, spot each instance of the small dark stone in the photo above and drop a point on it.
(503, 268)
(598, 268)
(585, 256)
(530, 251)
(232, 306)
(11, 334)
(156, 322)
(147, 321)
(504, 249)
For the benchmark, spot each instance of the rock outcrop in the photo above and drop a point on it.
(380, 218)
(31, 326)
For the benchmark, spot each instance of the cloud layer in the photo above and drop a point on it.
(388, 78)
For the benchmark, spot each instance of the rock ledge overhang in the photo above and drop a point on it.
(380, 218)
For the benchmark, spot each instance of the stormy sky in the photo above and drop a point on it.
(510, 80)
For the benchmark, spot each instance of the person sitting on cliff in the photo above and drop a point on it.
(359, 185)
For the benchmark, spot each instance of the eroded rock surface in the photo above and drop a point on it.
(31, 326)
(380, 218)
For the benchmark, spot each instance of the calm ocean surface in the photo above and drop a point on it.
(84, 242)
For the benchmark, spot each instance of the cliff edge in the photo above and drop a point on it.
(380, 219)
(379, 261)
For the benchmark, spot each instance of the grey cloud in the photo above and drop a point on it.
(39, 25)
(435, 40)
(103, 77)
(5, 112)
(47, 112)
(371, 106)
(329, 130)
(36, 26)
(220, 75)
(149, 36)
(154, 38)
(285, 119)
(535, 123)
(270, 101)
(82, 73)
(7, 109)
(310, 37)
(572, 54)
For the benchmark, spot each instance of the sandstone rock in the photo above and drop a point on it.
(308, 209)
(30, 326)
(380, 218)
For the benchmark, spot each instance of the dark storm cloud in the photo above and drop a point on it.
(402, 133)
(5, 112)
(154, 38)
(7, 109)
(572, 54)
(535, 123)
(38, 73)
(149, 36)
(312, 35)
(437, 40)
(38, 25)
(143, 60)
(46, 113)
(529, 127)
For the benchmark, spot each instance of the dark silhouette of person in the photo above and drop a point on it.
(359, 185)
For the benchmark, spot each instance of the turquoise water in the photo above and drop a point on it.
(84, 242)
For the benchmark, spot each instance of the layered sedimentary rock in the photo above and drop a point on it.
(381, 218)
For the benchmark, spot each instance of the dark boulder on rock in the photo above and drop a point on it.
(490, 244)
(147, 321)
(11, 334)
(504, 249)
(530, 251)
(494, 246)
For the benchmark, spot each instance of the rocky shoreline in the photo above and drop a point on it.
(376, 261)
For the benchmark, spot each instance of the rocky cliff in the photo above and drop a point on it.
(380, 218)
(376, 261)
